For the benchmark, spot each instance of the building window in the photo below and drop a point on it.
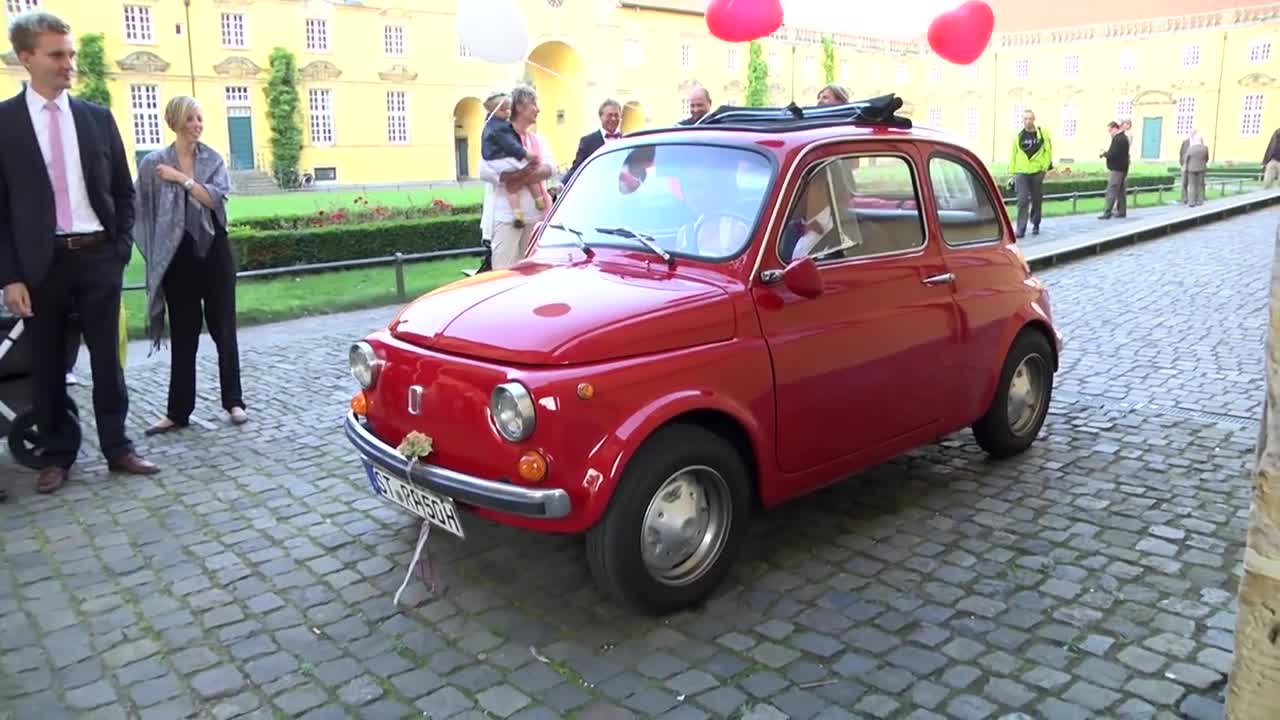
(902, 75)
(317, 35)
(810, 64)
(935, 74)
(685, 110)
(686, 56)
(1260, 50)
(397, 117)
(844, 68)
(393, 39)
(237, 95)
(773, 58)
(971, 122)
(935, 117)
(1018, 111)
(1128, 61)
(1124, 109)
(1022, 68)
(971, 72)
(1184, 117)
(137, 24)
(233, 32)
(731, 59)
(1071, 66)
(144, 100)
(1070, 122)
(1251, 116)
(632, 53)
(320, 102)
(1191, 56)
(17, 7)
(464, 50)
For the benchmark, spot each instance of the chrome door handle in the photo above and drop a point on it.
(942, 279)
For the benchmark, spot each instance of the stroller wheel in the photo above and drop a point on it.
(25, 443)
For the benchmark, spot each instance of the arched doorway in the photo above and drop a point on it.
(632, 117)
(555, 71)
(468, 122)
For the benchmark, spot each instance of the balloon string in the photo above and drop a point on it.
(543, 69)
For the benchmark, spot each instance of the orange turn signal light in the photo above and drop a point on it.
(533, 467)
(360, 404)
(586, 391)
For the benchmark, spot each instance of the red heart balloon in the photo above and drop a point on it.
(961, 35)
(743, 20)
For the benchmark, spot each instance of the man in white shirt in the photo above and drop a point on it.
(510, 243)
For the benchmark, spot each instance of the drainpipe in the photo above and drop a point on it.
(1217, 110)
(191, 61)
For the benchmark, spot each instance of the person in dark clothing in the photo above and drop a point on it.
(500, 141)
(699, 105)
(1271, 161)
(1117, 157)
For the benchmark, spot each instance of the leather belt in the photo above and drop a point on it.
(79, 241)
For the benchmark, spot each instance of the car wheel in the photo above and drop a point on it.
(25, 442)
(1022, 398)
(675, 522)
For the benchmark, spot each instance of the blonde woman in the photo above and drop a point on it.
(833, 95)
(181, 230)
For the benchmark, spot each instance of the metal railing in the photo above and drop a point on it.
(1134, 192)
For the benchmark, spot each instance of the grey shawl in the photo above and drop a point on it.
(164, 211)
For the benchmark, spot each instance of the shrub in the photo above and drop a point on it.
(359, 211)
(283, 112)
(757, 76)
(91, 67)
(257, 249)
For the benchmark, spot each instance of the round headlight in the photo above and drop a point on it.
(364, 364)
(512, 409)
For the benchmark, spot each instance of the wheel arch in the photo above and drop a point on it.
(734, 432)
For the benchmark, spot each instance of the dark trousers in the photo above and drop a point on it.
(1030, 190)
(1117, 197)
(201, 292)
(87, 281)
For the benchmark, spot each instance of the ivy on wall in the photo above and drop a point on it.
(283, 112)
(91, 66)
(828, 60)
(757, 76)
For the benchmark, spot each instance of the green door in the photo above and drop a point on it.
(240, 130)
(1151, 137)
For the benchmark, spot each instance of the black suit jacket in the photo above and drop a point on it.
(27, 215)
(589, 143)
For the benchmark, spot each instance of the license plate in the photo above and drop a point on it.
(435, 509)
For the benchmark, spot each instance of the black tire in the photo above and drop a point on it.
(25, 443)
(996, 432)
(676, 457)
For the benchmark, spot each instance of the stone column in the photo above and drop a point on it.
(1254, 691)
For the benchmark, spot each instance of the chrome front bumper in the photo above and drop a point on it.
(467, 489)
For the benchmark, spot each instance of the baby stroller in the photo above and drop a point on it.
(17, 416)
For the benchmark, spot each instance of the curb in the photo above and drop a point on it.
(1043, 257)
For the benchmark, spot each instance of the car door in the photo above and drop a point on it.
(856, 368)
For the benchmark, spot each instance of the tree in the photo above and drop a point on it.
(283, 112)
(828, 60)
(91, 66)
(1254, 690)
(757, 76)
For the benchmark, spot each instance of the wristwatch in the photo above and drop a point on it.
(188, 184)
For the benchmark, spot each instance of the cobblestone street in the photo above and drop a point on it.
(1094, 576)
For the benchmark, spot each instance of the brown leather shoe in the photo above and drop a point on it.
(50, 479)
(131, 464)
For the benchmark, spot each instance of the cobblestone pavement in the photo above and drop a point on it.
(1092, 577)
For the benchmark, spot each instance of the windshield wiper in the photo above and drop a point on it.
(577, 236)
(648, 242)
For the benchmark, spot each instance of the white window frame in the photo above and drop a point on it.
(1251, 115)
(632, 53)
(685, 109)
(320, 125)
(1191, 56)
(731, 59)
(971, 121)
(1071, 66)
(902, 74)
(317, 35)
(144, 106)
(1070, 121)
(1124, 109)
(13, 8)
(686, 55)
(464, 50)
(230, 28)
(393, 40)
(1022, 68)
(935, 117)
(971, 72)
(1184, 116)
(397, 117)
(139, 25)
(1018, 111)
(1128, 61)
(1260, 50)
(238, 95)
(935, 74)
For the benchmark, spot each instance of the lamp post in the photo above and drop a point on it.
(191, 61)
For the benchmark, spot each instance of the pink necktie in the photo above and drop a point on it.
(58, 169)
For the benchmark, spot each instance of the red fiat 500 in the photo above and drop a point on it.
(713, 319)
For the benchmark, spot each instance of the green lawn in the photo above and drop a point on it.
(241, 207)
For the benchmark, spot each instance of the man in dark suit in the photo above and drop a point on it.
(66, 218)
(699, 105)
(1117, 156)
(610, 118)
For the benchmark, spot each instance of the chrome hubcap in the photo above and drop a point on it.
(1026, 394)
(685, 526)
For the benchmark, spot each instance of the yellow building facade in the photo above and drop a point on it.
(390, 94)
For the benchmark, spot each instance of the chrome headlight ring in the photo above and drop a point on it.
(365, 364)
(512, 408)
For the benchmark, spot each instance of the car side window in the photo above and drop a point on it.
(966, 213)
(854, 207)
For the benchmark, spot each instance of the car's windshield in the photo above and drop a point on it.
(698, 201)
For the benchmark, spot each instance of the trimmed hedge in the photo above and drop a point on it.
(1085, 185)
(257, 249)
(1243, 171)
(305, 222)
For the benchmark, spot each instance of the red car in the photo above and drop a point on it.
(713, 320)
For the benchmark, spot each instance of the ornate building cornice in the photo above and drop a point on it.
(398, 73)
(1257, 81)
(320, 70)
(143, 61)
(1140, 28)
(237, 67)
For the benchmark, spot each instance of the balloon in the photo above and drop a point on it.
(743, 20)
(494, 30)
(961, 36)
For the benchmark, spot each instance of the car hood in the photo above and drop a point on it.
(564, 315)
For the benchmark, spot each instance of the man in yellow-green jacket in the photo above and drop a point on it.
(1032, 157)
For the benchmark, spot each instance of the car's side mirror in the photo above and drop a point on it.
(802, 278)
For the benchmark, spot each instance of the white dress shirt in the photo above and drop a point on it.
(83, 218)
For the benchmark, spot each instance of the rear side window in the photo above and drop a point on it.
(966, 213)
(854, 207)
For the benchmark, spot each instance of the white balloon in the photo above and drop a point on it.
(494, 30)
(909, 20)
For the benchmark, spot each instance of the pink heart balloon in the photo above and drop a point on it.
(961, 35)
(743, 20)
